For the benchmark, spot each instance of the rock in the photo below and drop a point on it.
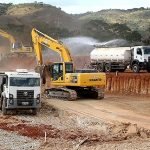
(143, 134)
(131, 130)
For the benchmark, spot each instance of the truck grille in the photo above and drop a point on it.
(25, 97)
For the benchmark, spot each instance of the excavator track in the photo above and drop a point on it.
(90, 93)
(61, 93)
(100, 93)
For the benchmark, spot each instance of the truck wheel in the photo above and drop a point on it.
(108, 67)
(4, 110)
(1, 104)
(122, 70)
(148, 70)
(34, 111)
(100, 67)
(136, 68)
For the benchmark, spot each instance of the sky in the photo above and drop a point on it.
(82, 6)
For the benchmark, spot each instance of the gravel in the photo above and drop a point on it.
(69, 125)
(13, 141)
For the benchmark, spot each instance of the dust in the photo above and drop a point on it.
(80, 48)
(11, 62)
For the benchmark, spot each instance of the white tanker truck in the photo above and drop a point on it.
(117, 59)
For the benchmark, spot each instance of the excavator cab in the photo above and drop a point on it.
(58, 70)
(16, 45)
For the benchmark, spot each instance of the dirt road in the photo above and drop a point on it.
(83, 124)
(135, 110)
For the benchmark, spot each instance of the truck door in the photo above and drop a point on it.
(139, 55)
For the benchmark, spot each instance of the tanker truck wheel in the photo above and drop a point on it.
(107, 67)
(136, 68)
(100, 67)
(148, 70)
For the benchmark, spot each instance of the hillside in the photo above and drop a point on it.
(136, 19)
(104, 25)
(20, 19)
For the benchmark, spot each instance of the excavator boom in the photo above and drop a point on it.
(39, 38)
(8, 36)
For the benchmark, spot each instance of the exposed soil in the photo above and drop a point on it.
(129, 83)
(116, 122)
(83, 124)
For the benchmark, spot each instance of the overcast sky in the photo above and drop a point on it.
(81, 6)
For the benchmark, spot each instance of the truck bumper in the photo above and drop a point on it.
(22, 104)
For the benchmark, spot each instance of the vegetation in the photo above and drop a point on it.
(132, 24)
(136, 19)
(4, 7)
(104, 31)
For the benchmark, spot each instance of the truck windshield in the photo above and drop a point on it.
(147, 50)
(28, 82)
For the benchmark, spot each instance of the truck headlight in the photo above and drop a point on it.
(38, 96)
(11, 101)
(11, 96)
(38, 99)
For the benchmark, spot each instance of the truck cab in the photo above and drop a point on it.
(140, 58)
(20, 90)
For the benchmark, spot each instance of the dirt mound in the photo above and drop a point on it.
(116, 132)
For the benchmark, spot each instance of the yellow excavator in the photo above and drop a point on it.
(16, 47)
(65, 82)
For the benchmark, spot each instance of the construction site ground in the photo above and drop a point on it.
(117, 122)
(121, 121)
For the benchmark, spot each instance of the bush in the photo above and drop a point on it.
(4, 7)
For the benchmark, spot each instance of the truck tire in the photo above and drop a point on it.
(107, 67)
(136, 68)
(34, 111)
(122, 70)
(100, 67)
(4, 110)
(1, 100)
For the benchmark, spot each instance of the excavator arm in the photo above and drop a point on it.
(8, 36)
(39, 39)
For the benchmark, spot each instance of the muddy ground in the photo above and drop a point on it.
(83, 124)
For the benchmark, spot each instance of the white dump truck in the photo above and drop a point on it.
(119, 58)
(20, 90)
